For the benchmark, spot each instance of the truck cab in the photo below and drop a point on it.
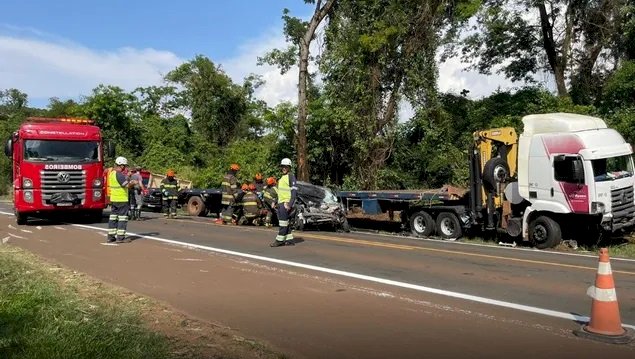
(567, 174)
(57, 168)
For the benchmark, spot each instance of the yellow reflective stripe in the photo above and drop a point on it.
(250, 203)
(225, 184)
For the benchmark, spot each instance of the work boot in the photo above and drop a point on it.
(111, 239)
(138, 214)
(289, 243)
(277, 244)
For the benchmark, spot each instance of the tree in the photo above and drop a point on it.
(378, 53)
(300, 34)
(217, 104)
(566, 38)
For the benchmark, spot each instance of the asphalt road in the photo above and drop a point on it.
(352, 295)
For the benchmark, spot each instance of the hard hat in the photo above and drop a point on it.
(170, 173)
(285, 162)
(244, 187)
(252, 187)
(258, 177)
(121, 161)
(234, 167)
(271, 181)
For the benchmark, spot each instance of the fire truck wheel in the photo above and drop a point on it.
(20, 218)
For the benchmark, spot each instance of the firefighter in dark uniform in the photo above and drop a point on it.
(259, 183)
(229, 189)
(251, 204)
(270, 198)
(287, 194)
(118, 185)
(170, 193)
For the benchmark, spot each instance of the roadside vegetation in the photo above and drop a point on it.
(50, 312)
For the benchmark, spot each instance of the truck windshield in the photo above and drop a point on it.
(61, 151)
(609, 169)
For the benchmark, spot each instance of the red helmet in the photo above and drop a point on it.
(244, 187)
(252, 187)
(258, 177)
(271, 181)
(234, 167)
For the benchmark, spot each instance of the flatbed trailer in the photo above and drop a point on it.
(418, 208)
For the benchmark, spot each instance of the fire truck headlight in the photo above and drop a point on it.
(28, 196)
(97, 183)
(27, 183)
(96, 194)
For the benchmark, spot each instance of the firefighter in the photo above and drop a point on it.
(119, 185)
(251, 204)
(270, 197)
(238, 208)
(170, 192)
(287, 192)
(260, 185)
(229, 189)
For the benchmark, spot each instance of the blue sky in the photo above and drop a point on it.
(66, 48)
(187, 28)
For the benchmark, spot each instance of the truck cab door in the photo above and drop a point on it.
(569, 187)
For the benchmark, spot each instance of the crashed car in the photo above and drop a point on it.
(317, 206)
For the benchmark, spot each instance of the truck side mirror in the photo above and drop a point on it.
(110, 149)
(8, 148)
(578, 171)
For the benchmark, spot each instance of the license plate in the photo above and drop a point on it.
(64, 204)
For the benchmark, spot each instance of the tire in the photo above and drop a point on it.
(195, 206)
(544, 233)
(448, 226)
(422, 224)
(20, 218)
(496, 170)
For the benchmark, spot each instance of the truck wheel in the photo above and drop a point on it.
(20, 218)
(195, 206)
(495, 171)
(448, 226)
(422, 224)
(544, 232)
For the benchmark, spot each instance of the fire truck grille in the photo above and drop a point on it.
(66, 181)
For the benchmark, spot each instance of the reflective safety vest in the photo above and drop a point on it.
(117, 193)
(284, 189)
(250, 204)
(229, 187)
(270, 196)
(169, 188)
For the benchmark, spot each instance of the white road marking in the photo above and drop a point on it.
(394, 283)
(5, 240)
(26, 231)
(109, 244)
(15, 236)
(188, 259)
(11, 227)
(58, 227)
(38, 227)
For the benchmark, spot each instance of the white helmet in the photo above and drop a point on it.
(121, 161)
(285, 162)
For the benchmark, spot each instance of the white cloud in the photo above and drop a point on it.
(44, 66)
(45, 69)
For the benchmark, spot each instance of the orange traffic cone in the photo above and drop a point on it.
(605, 324)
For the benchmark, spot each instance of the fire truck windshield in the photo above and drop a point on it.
(61, 151)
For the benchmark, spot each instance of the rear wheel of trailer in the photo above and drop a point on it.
(422, 224)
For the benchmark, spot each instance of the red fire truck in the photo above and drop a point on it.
(58, 168)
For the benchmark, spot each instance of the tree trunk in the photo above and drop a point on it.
(557, 62)
(301, 141)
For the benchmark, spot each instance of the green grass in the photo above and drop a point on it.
(40, 317)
